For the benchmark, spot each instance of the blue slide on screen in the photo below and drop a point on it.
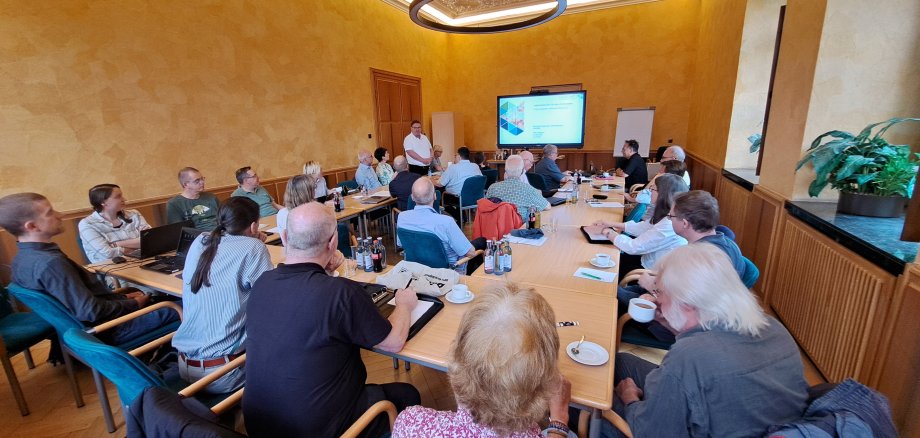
(532, 120)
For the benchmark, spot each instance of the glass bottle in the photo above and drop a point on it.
(488, 258)
(499, 256)
(507, 253)
(368, 256)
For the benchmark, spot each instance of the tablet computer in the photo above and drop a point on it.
(594, 238)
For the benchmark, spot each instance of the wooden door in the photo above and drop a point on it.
(397, 102)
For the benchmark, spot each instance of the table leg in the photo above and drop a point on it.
(362, 224)
(594, 427)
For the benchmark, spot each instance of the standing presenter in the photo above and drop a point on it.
(418, 150)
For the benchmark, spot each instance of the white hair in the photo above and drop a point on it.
(550, 149)
(514, 166)
(701, 276)
(678, 152)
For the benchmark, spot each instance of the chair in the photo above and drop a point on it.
(635, 215)
(346, 239)
(491, 176)
(472, 191)
(751, 273)
(52, 311)
(726, 231)
(18, 332)
(539, 182)
(131, 376)
(427, 249)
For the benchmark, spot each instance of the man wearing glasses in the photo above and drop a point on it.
(193, 203)
(250, 187)
(418, 150)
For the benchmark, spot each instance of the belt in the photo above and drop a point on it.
(210, 362)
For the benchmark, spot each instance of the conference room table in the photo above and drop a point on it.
(353, 209)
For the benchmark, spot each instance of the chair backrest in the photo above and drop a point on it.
(410, 203)
(422, 247)
(726, 231)
(6, 307)
(128, 373)
(82, 250)
(351, 185)
(473, 190)
(344, 239)
(47, 307)
(491, 176)
(636, 214)
(751, 273)
(537, 181)
(660, 153)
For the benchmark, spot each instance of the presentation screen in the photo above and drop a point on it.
(541, 119)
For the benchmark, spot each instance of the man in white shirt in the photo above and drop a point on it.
(452, 180)
(527, 156)
(418, 150)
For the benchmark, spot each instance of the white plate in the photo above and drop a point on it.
(595, 263)
(463, 301)
(589, 353)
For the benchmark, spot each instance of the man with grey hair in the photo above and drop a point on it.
(424, 218)
(734, 371)
(401, 184)
(676, 153)
(365, 176)
(548, 168)
(304, 374)
(193, 203)
(512, 190)
(527, 156)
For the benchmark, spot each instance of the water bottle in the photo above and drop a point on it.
(368, 256)
(359, 255)
(499, 259)
(383, 252)
(489, 259)
(507, 264)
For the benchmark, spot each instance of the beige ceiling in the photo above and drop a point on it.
(455, 9)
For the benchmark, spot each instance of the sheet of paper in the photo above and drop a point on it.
(263, 226)
(596, 275)
(596, 236)
(605, 204)
(273, 230)
(385, 193)
(523, 241)
(419, 310)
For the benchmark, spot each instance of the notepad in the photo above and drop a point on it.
(596, 275)
(419, 309)
(523, 241)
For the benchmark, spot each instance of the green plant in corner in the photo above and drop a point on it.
(865, 163)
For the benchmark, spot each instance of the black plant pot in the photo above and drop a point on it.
(871, 205)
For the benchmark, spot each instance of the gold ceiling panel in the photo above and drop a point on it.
(463, 8)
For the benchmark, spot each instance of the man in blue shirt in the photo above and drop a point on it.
(452, 180)
(424, 218)
(250, 187)
(366, 176)
(548, 168)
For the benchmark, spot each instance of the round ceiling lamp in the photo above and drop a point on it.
(416, 6)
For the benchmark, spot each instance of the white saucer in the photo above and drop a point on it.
(463, 301)
(589, 353)
(596, 264)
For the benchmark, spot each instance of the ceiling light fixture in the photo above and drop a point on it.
(416, 7)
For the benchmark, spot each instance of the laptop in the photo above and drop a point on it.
(173, 264)
(159, 240)
(376, 199)
(554, 201)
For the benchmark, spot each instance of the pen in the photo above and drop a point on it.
(590, 276)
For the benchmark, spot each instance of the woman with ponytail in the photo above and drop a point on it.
(111, 230)
(220, 270)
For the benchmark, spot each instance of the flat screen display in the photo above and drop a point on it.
(542, 119)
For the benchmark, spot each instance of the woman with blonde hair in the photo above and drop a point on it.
(503, 384)
(313, 169)
(300, 190)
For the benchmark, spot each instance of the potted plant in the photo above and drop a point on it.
(874, 178)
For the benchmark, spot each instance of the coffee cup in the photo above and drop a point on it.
(606, 174)
(602, 259)
(642, 310)
(605, 188)
(460, 291)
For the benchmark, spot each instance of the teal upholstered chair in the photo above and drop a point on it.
(751, 273)
(350, 185)
(472, 191)
(491, 176)
(52, 311)
(427, 249)
(18, 332)
(132, 377)
(635, 215)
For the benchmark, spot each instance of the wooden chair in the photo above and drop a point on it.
(584, 418)
(18, 332)
(369, 415)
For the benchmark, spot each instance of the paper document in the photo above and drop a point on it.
(606, 204)
(419, 310)
(273, 230)
(523, 241)
(263, 226)
(383, 193)
(594, 274)
(595, 236)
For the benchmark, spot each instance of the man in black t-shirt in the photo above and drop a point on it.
(304, 374)
(632, 166)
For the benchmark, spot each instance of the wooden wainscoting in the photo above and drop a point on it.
(833, 301)
(703, 174)
(154, 211)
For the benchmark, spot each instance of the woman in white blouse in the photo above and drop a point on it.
(652, 238)
(111, 230)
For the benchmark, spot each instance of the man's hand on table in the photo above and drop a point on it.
(406, 298)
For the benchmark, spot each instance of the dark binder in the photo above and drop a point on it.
(381, 296)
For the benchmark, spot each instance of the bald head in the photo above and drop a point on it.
(400, 164)
(514, 166)
(310, 229)
(365, 157)
(527, 156)
(423, 192)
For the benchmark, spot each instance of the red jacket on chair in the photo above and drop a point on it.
(493, 220)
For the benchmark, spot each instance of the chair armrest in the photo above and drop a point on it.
(618, 422)
(150, 346)
(369, 415)
(620, 323)
(633, 276)
(636, 188)
(229, 402)
(201, 383)
(137, 313)
(468, 258)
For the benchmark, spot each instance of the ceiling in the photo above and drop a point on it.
(479, 12)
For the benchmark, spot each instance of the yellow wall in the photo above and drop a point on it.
(625, 57)
(129, 91)
(720, 26)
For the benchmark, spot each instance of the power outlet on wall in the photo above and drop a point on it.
(368, 136)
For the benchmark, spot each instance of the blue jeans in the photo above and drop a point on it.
(140, 326)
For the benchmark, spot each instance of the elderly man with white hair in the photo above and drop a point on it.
(734, 371)
(676, 153)
(527, 156)
(512, 190)
(549, 169)
(366, 176)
